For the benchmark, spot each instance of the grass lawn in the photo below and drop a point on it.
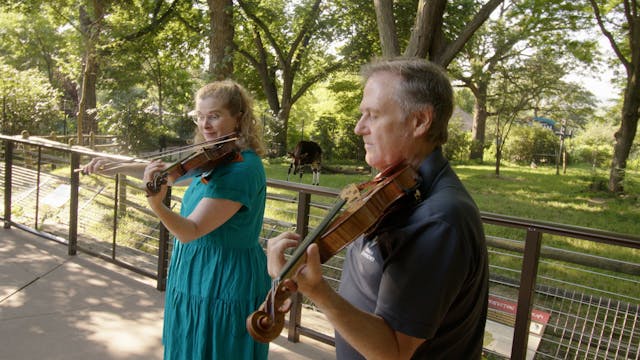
(575, 198)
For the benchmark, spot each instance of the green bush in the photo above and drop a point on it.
(593, 145)
(525, 143)
(458, 144)
(29, 102)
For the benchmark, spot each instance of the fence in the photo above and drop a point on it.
(556, 291)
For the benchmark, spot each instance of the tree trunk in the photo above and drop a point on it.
(498, 158)
(428, 24)
(386, 28)
(625, 135)
(480, 115)
(283, 121)
(91, 28)
(221, 39)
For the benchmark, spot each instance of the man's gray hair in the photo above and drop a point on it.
(423, 84)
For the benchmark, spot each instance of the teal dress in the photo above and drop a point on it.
(216, 281)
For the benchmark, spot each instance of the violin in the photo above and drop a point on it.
(367, 203)
(221, 152)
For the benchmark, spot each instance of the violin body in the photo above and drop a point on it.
(362, 214)
(380, 197)
(203, 160)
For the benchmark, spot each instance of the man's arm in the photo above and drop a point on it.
(368, 333)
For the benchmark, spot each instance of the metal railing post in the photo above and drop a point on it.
(114, 230)
(8, 164)
(528, 275)
(163, 250)
(38, 172)
(302, 226)
(73, 204)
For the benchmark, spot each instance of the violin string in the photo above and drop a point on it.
(274, 287)
(198, 146)
(160, 155)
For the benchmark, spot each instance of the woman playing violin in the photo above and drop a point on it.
(217, 274)
(416, 287)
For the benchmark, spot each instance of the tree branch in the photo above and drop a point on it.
(609, 35)
(156, 23)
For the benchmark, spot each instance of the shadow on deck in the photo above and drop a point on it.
(56, 306)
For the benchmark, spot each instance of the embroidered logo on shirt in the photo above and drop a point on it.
(367, 251)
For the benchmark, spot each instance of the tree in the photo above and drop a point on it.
(430, 36)
(521, 88)
(512, 32)
(221, 38)
(91, 16)
(159, 55)
(26, 99)
(34, 37)
(288, 52)
(619, 22)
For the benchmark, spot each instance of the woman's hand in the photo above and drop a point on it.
(275, 251)
(100, 165)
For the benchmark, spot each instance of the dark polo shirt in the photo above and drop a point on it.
(426, 272)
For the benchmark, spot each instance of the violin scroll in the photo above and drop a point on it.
(266, 323)
(159, 179)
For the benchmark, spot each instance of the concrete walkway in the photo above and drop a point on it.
(56, 306)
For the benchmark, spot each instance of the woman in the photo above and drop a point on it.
(217, 275)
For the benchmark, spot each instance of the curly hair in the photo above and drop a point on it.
(238, 102)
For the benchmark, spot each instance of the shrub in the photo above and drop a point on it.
(526, 143)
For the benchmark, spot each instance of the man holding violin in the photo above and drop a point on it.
(417, 287)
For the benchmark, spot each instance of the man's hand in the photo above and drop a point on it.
(275, 251)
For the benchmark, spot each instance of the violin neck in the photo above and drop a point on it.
(294, 261)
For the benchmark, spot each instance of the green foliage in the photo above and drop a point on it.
(528, 141)
(128, 118)
(593, 145)
(465, 100)
(459, 142)
(28, 102)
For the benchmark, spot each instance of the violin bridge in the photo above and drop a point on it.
(350, 193)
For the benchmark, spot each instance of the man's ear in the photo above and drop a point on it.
(423, 119)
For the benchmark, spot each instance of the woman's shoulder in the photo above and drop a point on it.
(247, 162)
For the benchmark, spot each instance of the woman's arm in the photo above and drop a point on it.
(104, 166)
(207, 216)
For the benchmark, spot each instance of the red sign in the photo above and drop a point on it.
(510, 307)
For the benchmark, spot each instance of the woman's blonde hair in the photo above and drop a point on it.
(239, 103)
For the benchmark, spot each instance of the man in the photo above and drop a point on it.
(418, 288)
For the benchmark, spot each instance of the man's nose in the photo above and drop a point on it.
(359, 128)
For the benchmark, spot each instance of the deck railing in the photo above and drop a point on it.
(558, 291)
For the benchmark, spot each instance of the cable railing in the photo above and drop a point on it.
(556, 291)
